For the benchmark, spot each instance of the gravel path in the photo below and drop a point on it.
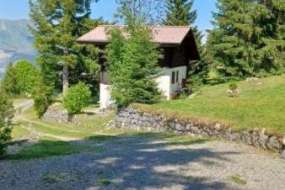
(149, 164)
(20, 107)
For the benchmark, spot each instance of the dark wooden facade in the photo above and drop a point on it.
(179, 55)
(172, 55)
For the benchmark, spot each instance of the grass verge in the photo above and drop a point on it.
(46, 148)
(260, 105)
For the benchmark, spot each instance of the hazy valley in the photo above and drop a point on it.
(16, 42)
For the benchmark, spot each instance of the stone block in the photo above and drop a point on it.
(274, 144)
(283, 154)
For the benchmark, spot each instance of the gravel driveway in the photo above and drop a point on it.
(148, 163)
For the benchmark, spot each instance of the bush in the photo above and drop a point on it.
(9, 81)
(77, 98)
(20, 78)
(233, 86)
(233, 90)
(42, 96)
(6, 115)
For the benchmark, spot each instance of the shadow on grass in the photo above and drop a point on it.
(48, 148)
(130, 161)
(43, 149)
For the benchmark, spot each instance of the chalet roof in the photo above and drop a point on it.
(173, 35)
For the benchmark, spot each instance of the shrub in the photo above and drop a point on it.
(233, 86)
(20, 78)
(233, 90)
(77, 98)
(9, 81)
(6, 115)
(42, 96)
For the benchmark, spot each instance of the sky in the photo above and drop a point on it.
(19, 9)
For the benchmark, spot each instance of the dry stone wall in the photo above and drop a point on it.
(55, 114)
(135, 119)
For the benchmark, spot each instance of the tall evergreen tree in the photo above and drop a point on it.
(274, 26)
(232, 46)
(133, 61)
(244, 41)
(181, 13)
(57, 25)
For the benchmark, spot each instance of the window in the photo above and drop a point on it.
(177, 76)
(173, 77)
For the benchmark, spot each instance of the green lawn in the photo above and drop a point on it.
(261, 104)
(54, 139)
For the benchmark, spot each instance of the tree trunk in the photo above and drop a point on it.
(65, 81)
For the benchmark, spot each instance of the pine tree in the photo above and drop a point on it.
(234, 52)
(181, 13)
(246, 40)
(132, 62)
(57, 25)
(274, 26)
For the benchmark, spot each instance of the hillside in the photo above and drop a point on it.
(16, 42)
(260, 104)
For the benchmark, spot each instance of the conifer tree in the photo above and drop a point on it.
(181, 13)
(57, 25)
(133, 61)
(247, 38)
(274, 26)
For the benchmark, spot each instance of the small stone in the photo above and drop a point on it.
(188, 126)
(195, 130)
(263, 139)
(274, 144)
(283, 154)
(218, 126)
(246, 138)
(179, 127)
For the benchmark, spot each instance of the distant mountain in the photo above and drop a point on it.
(16, 42)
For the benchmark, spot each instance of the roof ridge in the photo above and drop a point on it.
(167, 26)
(161, 33)
(152, 26)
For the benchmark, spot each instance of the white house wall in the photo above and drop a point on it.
(105, 96)
(164, 84)
(164, 81)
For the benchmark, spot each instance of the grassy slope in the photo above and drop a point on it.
(54, 139)
(59, 139)
(261, 104)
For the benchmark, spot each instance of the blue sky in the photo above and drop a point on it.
(19, 9)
